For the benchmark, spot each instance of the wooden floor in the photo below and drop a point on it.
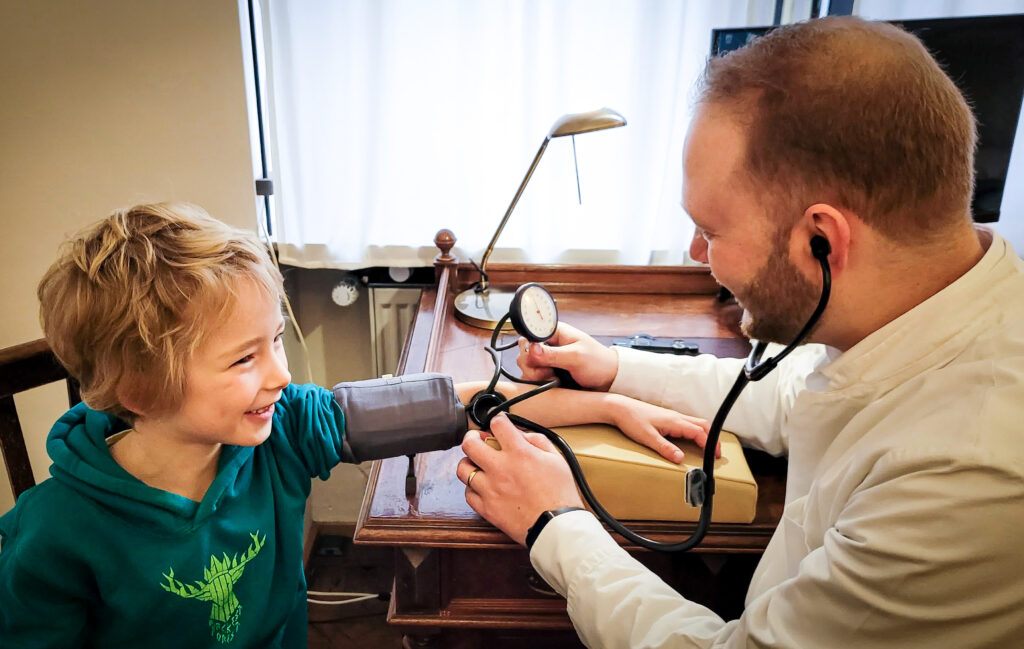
(337, 565)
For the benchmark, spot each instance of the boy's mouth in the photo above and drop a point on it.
(261, 411)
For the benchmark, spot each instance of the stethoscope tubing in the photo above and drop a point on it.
(753, 370)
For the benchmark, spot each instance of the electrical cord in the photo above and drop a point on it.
(265, 238)
(354, 597)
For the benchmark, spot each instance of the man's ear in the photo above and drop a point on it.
(830, 222)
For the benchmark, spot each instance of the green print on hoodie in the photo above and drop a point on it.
(93, 557)
(218, 586)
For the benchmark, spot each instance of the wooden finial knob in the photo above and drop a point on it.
(444, 240)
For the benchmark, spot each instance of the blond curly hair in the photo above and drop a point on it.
(130, 298)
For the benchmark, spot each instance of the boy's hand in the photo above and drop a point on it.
(591, 364)
(511, 487)
(648, 424)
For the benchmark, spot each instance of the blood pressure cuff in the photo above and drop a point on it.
(403, 415)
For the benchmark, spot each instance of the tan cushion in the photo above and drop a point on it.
(634, 483)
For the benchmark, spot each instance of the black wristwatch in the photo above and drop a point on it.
(542, 520)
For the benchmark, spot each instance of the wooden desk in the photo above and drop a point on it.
(459, 582)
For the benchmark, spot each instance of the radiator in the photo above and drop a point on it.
(391, 314)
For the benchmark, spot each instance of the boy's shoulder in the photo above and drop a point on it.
(45, 515)
(295, 391)
(303, 399)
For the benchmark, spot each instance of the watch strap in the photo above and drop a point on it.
(542, 521)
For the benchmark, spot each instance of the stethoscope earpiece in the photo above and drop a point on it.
(820, 247)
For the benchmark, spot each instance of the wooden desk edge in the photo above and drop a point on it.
(424, 337)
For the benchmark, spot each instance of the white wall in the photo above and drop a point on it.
(103, 104)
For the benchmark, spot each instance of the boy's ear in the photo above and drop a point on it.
(130, 401)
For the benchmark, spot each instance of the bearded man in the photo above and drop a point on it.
(902, 423)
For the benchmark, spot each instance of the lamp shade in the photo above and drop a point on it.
(481, 305)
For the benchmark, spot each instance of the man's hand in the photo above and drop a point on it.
(591, 364)
(648, 424)
(513, 486)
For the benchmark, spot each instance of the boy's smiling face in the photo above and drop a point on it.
(235, 376)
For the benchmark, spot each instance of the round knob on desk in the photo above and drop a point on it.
(444, 240)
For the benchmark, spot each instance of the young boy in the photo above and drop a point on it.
(174, 516)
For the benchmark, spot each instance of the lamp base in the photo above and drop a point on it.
(484, 309)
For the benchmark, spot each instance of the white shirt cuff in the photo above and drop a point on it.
(568, 542)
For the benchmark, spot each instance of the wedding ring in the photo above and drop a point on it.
(469, 480)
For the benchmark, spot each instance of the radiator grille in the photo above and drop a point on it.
(391, 314)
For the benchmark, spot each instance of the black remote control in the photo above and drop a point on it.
(646, 342)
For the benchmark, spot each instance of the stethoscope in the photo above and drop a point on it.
(534, 315)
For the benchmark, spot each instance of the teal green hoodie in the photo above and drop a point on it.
(95, 558)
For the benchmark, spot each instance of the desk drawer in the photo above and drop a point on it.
(499, 589)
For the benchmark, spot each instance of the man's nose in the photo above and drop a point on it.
(699, 248)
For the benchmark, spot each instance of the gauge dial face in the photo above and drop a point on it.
(537, 313)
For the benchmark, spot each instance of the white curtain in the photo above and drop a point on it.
(391, 119)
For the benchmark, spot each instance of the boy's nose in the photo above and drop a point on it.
(278, 376)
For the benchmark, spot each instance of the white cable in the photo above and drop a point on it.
(355, 597)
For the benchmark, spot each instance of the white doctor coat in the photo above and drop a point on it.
(904, 517)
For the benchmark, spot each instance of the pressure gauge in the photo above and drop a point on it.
(533, 312)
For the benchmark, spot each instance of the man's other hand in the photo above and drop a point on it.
(591, 364)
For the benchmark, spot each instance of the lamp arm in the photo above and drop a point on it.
(501, 226)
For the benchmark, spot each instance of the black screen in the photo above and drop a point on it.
(984, 55)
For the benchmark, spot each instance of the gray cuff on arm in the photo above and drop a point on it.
(403, 415)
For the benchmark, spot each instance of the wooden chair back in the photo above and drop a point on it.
(22, 368)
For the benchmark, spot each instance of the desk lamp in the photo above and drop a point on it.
(483, 306)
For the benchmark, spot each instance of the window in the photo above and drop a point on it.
(389, 120)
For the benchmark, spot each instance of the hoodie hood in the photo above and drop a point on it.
(82, 462)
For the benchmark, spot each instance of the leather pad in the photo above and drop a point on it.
(635, 483)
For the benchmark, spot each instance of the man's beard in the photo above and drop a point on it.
(778, 303)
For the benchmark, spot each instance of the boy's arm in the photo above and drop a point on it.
(369, 420)
(43, 597)
(642, 422)
(698, 384)
(694, 385)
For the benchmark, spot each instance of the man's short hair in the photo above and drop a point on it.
(852, 112)
(130, 298)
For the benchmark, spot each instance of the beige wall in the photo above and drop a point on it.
(113, 102)
(103, 104)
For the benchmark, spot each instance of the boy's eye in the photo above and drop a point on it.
(243, 361)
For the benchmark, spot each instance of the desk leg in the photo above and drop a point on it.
(421, 641)
(418, 590)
